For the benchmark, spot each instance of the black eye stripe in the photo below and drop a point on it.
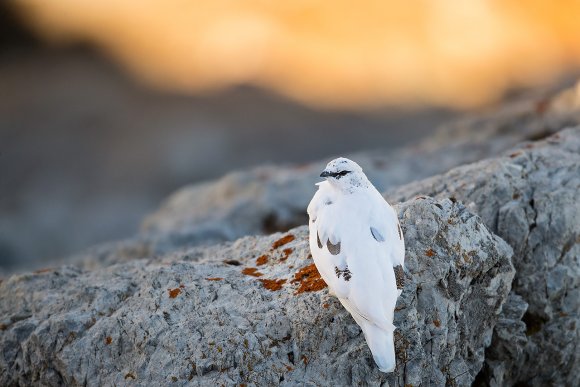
(341, 173)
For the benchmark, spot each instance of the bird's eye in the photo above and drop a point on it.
(343, 173)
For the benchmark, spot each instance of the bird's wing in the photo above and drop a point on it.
(372, 287)
(325, 241)
(322, 212)
(320, 196)
(386, 229)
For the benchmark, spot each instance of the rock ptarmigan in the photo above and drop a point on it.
(358, 248)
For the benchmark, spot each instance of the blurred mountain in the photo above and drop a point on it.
(85, 152)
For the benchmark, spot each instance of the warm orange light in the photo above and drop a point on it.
(329, 53)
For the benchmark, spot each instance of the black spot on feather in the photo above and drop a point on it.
(333, 249)
(346, 274)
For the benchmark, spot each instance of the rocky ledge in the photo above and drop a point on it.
(529, 197)
(256, 312)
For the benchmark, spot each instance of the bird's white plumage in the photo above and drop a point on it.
(366, 243)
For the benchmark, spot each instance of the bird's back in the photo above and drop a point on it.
(356, 241)
(362, 271)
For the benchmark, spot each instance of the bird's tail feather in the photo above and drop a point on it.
(382, 346)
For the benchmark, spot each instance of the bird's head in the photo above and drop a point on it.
(345, 174)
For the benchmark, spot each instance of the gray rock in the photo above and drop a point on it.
(193, 317)
(269, 199)
(529, 197)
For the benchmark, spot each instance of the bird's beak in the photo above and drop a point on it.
(325, 174)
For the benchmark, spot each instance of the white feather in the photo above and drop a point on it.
(361, 275)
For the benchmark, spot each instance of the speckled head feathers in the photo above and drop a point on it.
(342, 164)
(345, 174)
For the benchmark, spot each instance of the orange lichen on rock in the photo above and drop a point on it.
(214, 279)
(309, 279)
(305, 359)
(251, 271)
(273, 285)
(108, 340)
(174, 292)
(429, 253)
(262, 260)
(437, 323)
(287, 253)
(282, 241)
(325, 305)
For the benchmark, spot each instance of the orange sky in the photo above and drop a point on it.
(347, 54)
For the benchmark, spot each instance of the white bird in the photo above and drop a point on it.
(356, 242)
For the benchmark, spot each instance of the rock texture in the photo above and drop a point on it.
(255, 312)
(529, 197)
(268, 199)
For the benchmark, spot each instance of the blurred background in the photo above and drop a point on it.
(106, 107)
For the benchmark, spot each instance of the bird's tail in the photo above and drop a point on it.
(382, 346)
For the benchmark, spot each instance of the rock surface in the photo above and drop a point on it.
(529, 197)
(269, 199)
(255, 312)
